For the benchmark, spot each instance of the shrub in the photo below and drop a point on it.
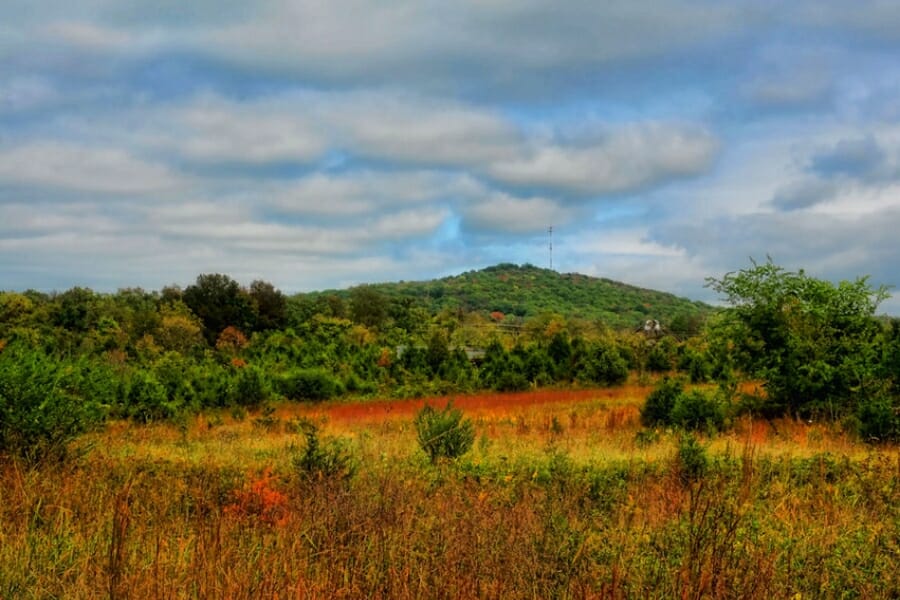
(697, 410)
(329, 459)
(147, 399)
(43, 405)
(691, 459)
(444, 433)
(250, 387)
(657, 409)
(877, 421)
(309, 384)
(605, 366)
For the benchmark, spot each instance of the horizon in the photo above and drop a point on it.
(326, 146)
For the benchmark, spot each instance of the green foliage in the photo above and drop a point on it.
(603, 365)
(308, 384)
(527, 291)
(502, 371)
(147, 399)
(271, 305)
(445, 433)
(368, 306)
(692, 458)
(45, 403)
(812, 342)
(250, 387)
(697, 410)
(694, 410)
(657, 409)
(220, 302)
(323, 459)
(878, 420)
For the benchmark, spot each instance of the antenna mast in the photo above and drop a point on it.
(550, 231)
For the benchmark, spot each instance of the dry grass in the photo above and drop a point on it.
(557, 499)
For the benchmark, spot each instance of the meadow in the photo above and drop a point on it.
(563, 495)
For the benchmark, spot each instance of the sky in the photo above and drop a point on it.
(326, 144)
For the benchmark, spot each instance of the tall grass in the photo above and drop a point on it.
(551, 503)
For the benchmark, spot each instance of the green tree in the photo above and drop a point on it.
(219, 302)
(812, 342)
(368, 306)
(271, 305)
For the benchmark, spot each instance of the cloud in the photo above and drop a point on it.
(420, 130)
(70, 166)
(365, 192)
(502, 213)
(215, 132)
(511, 45)
(804, 194)
(627, 158)
(839, 170)
(859, 158)
(798, 88)
(316, 144)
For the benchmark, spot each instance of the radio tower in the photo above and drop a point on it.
(550, 231)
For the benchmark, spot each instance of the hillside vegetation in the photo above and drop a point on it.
(528, 291)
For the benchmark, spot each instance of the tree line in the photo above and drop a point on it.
(72, 359)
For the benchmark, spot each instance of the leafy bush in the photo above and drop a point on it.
(250, 387)
(309, 384)
(658, 407)
(605, 366)
(691, 459)
(877, 420)
(444, 433)
(331, 459)
(147, 399)
(43, 406)
(697, 411)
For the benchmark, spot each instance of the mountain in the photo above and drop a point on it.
(527, 291)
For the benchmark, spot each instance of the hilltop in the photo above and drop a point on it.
(526, 291)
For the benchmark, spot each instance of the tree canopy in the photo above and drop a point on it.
(814, 343)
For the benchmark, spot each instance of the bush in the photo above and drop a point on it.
(250, 387)
(692, 459)
(444, 433)
(605, 366)
(309, 384)
(147, 399)
(877, 421)
(331, 459)
(43, 405)
(697, 411)
(657, 409)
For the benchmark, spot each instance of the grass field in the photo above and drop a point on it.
(561, 497)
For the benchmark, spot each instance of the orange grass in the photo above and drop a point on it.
(556, 500)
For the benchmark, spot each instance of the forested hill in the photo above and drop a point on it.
(526, 291)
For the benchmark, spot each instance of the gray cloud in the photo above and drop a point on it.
(75, 167)
(627, 158)
(318, 144)
(502, 213)
(859, 158)
(804, 194)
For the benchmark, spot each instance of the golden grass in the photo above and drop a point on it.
(557, 499)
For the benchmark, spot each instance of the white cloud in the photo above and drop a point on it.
(366, 191)
(500, 212)
(627, 158)
(74, 167)
(421, 130)
(216, 131)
